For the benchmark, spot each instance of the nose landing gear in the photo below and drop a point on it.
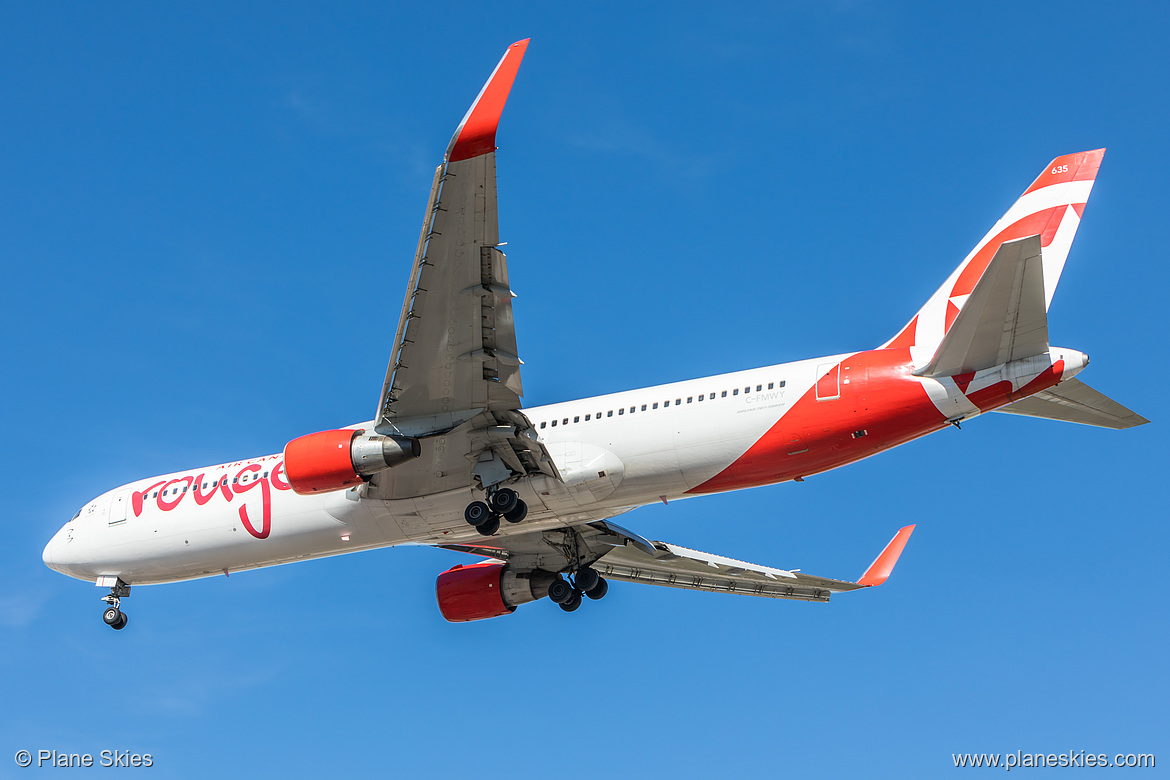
(114, 617)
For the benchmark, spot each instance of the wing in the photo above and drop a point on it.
(455, 349)
(618, 554)
(454, 375)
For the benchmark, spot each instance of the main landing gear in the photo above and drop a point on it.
(502, 503)
(586, 582)
(114, 617)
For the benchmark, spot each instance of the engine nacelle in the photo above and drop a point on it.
(487, 590)
(332, 460)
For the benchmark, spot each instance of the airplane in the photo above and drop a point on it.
(453, 460)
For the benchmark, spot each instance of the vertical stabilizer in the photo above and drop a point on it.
(1050, 208)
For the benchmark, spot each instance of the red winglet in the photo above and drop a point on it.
(476, 134)
(879, 571)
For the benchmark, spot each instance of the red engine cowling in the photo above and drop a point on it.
(332, 460)
(472, 592)
(487, 590)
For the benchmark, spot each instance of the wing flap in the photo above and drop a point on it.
(1074, 401)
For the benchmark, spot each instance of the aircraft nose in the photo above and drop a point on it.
(55, 555)
(64, 555)
(47, 555)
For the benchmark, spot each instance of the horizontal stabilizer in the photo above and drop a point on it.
(1003, 319)
(1074, 401)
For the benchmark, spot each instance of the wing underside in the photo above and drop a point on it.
(454, 375)
(455, 350)
(621, 555)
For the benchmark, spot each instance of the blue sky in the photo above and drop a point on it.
(209, 215)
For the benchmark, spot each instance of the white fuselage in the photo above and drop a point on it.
(614, 452)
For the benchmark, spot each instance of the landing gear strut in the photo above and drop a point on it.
(114, 617)
(501, 502)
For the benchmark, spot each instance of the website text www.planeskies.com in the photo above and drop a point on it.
(1070, 758)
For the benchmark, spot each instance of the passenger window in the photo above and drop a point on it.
(712, 396)
(554, 423)
(656, 404)
(265, 475)
(735, 391)
(724, 394)
(587, 418)
(759, 388)
(690, 398)
(565, 421)
(769, 385)
(747, 389)
(782, 383)
(154, 494)
(622, 410)
(677, 401)
(609, 413)
(632, 408)
(701, 397)
(644, 407)
(577, 419)
(543, 424)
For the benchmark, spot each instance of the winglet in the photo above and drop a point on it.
(476, 134)
(879, 571)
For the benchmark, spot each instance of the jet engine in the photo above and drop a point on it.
(332, 460)
(486, 590)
